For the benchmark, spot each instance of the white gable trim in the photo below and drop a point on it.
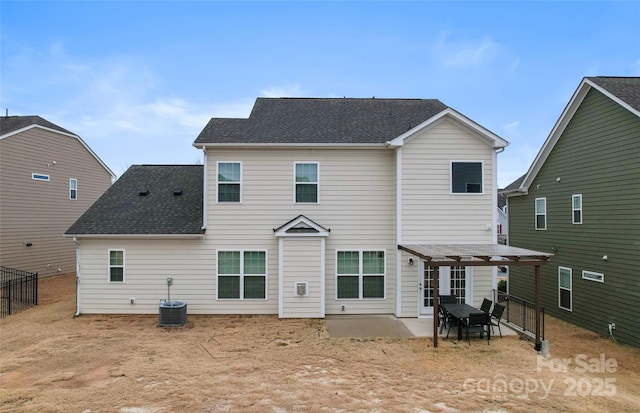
(558, 129)
(26, 128)
(474, 128)
(304, 223)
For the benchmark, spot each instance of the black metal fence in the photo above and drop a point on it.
(18, 290)
(520, 312)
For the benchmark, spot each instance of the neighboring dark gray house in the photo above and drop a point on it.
(580, 200)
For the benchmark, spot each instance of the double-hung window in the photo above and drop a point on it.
(306, 182)
(576, 208)
(242, 275)
(466, 177)
(541, 213)
(116, 266)
(361, 274)
(229, 182)
(564, 288)
(73, 188)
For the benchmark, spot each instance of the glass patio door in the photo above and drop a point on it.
(426, 291)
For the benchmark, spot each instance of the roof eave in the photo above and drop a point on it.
(136, 236)
(377, 145)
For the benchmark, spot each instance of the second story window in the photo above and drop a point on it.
(541, 213)
(229, 181)
(306, 182)
(73, 188)
(576, 207)
(466, 177)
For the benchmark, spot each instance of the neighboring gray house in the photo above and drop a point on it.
(48, 178)
(580, 199)
(299, 210)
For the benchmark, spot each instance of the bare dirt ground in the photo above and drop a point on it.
(52, 362)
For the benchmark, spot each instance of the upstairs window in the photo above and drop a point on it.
(361, 274)
(116, 266)
(466, 178)
(229, 181)
(73, 188)
(576, 208)
(541, 213)
(306, 182)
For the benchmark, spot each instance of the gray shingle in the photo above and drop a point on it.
(626, 89)
(321, 120)
(9, 124)
(122, 210)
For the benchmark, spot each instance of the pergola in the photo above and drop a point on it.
(474, 255)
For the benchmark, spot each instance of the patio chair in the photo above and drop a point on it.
(496, 314)
(448, 299)
(442, 318)
(486, 305)
(478, 323)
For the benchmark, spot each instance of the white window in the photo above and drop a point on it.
(541, 213)
(466, 177)
(360, 274)
(593, 276)
(40, 177)
(116, 266)
(306, 182)
(242, 275)
(229, 182)
(564, 288)
(576, 208)
(73, 188)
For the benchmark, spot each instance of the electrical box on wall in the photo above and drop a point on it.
(301, 288)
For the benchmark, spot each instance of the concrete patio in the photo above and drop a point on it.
(388, 325)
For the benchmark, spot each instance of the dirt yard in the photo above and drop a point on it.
(52, 362)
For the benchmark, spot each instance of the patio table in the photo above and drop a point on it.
(461, 312)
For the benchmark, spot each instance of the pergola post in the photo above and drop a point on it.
(538, 345)
(436, 294)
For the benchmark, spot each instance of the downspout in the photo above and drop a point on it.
(398, 286)
(205, 209)
(75, 241)
(494, 226)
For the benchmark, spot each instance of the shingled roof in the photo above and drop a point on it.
(148, 200)
(10, 124)
(626, 89)
(321, 121)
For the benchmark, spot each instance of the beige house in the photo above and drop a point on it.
(299, 211)
(48, 178)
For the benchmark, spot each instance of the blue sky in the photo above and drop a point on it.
(138, 80)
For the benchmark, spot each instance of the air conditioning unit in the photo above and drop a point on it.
(172, 314)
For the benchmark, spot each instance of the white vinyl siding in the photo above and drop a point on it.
(565, 288)
(541, 213)
(576, 209)
(302, 264)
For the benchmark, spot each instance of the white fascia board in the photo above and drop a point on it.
(556, 132)
(476, 129)
(136, 236)
(613, 97)
(321, 232)
(292, 145)
(83, 143)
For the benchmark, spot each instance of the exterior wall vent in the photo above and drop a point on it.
(301, 288)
